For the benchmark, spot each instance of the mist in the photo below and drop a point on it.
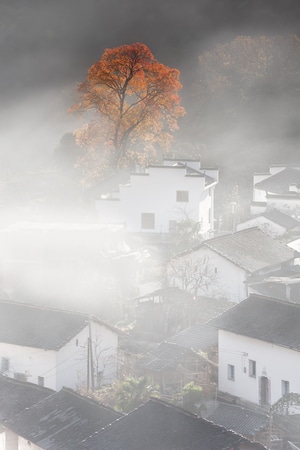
(46, 49)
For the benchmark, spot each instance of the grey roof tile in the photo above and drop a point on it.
(62, 420)
(251, 249)
(198, 337)
(16, 396)
(239, 419)
(280, 182)
(166, 356)
(161, 426)
(282, 219)
(264, 318)
(39, 327)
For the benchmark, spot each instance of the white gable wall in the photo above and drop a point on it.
(272, 361)
(154, 192)
(229, 282)
(259, 195)
(71, 370)
(67, 366)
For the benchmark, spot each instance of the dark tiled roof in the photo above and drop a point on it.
(277, 217)
(238, 419)
(197, 337)
(16, 396)
(62, 420)
(251, 249)
(264, 318)
(166, 356)
(34, 326)
(161, 426)
(282, 219)
(280, 182)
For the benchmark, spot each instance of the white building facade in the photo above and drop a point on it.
(256, 371)
(259, 350)
(155, 199)
(56, 348)
(228, 261)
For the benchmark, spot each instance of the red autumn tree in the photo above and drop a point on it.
(135, 103)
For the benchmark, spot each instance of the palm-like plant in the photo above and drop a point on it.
(133, 392)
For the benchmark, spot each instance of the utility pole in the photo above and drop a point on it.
(88, 366)
(91, 357)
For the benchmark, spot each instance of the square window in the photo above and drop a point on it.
(5, 364)
(230, 372)
(148, 221)
(252, 368)
(285, 387)
(182, 196)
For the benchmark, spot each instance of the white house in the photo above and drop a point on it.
(161, 195)
(259, 350)
(221, 266)
(277, 189)
(56, 348)
(273, 222)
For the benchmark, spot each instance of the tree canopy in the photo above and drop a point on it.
(247, 98)
(134, 103)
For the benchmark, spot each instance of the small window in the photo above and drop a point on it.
(182, 196)
(231, 374)
(285, 387)
(148, 221)
(41, 381)
(252, 368)
(5, 365)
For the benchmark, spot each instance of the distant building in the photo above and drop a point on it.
(157, 198)
(277, 189)
(228, 262)
(55, 348)
(273, 222)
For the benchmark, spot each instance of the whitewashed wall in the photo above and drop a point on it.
(2, 439)
(71, 368)
(33, 362)
(23, 444)
(155, 192)
(272, 361)
(229, 279)
(68, 366)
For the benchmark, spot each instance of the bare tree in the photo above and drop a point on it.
(193, 274)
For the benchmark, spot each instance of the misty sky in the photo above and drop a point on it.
(47, 46)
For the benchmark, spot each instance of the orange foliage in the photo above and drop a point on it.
(135, 101)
